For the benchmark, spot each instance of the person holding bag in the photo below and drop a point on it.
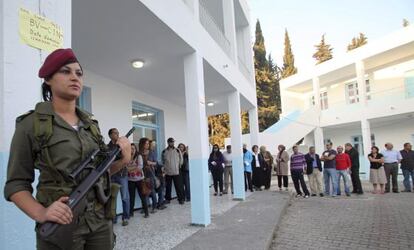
(136, 180)
(149, 173)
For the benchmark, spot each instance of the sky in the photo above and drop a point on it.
(341, 20)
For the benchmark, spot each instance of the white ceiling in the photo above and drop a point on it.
(107, 36)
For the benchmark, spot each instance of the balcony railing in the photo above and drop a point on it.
(207, 20)
(244, 69)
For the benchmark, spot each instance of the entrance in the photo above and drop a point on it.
(148, 122)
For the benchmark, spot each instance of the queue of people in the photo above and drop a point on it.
(343, 164)
(151, 179)
(326, 172)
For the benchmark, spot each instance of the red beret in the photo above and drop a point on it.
(55, 60)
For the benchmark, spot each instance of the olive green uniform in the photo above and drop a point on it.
(67, 147)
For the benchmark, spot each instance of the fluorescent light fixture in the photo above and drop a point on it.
(137, 63)
(134, 116)
(210, 104)
(145, 115)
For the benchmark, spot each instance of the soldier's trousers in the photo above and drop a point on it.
(84, 239)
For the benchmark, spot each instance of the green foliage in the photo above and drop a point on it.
(323, 51)
(288, 59)
(358, 41)
(267, 76)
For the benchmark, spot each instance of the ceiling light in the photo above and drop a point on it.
(210, 104)
(137, 64)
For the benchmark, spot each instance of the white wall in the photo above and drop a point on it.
(112, 107)
(19, 92)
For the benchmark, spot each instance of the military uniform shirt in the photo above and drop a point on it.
(67, 148)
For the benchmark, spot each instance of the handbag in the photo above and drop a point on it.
(146, 187)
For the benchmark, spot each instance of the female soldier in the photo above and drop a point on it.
(55, 138)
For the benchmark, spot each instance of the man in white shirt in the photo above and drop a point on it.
(391, 160)
(228, 170)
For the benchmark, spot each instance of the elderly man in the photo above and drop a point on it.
(172, 159)
(314, 172)
(391, 160)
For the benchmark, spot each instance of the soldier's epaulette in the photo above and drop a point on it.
(20, 118)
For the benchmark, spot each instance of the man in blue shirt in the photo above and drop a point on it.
(247, 159)
(391, 160)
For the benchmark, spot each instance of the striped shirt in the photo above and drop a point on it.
(297, 161)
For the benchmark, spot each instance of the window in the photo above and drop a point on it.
(85, 100)
(368, 89)
(409, 84)
(324, 100)
(148, 122)
(352, 92)
(358, 143)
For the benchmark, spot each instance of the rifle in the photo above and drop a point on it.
(61, 235)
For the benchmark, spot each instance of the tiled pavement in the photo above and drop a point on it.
(166, 228)
(357, 222)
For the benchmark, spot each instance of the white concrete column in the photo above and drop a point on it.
(366, 141)
(230, 27)
(236, 145)
(360, 75)
(318, 132)
(197, 128)
(20, 90)
(318, 137)
(254, 127)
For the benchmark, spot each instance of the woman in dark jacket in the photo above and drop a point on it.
(185, 171)
(216, 166)
(258, 166)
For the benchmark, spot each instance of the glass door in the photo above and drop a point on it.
(148, 122)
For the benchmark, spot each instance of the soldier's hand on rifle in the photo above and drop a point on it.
(125, 146)
(58, 212)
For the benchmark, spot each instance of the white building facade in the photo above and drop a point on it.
(365, 97)
(194, 52)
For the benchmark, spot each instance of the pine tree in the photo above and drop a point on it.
(259, 48)
(323, 51)
(358, 42)
(288, 59)
(405, 22)
(275, 86)
(266, 84)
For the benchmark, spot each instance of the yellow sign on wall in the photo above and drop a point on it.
(39, 32)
